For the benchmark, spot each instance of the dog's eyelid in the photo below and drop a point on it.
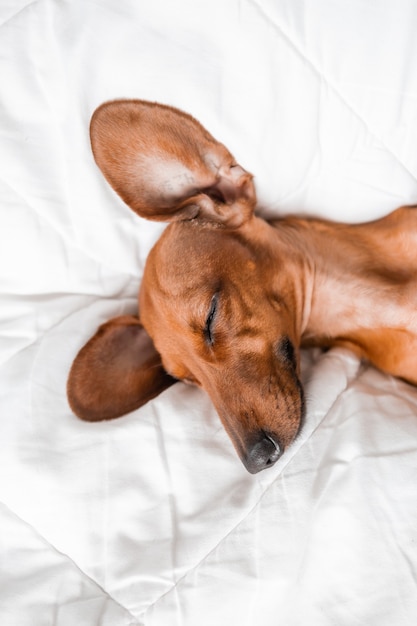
(208, 328)
(286, 351)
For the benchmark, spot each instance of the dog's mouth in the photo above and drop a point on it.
(264, 446)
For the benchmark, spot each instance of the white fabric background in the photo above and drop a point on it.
(151, 519)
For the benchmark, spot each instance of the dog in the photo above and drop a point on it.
(228, 298)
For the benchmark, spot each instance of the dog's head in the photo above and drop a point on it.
(216, 309)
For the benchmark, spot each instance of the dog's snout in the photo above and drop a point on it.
(262, 454)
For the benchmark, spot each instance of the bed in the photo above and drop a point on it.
(151, 519)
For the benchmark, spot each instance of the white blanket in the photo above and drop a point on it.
(151, 519)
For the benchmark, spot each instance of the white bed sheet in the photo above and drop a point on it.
(151, 519)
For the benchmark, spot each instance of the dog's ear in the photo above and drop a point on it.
(117, 371)
(166, 166)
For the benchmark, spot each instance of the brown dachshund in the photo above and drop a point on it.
(227, 298)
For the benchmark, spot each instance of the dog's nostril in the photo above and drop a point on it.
(263, 454)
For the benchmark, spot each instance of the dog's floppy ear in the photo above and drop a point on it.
(117, 371)
(166, 166)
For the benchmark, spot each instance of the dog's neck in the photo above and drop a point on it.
(346, 283)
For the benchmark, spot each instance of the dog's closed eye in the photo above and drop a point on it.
(208, 329)
(286, 351)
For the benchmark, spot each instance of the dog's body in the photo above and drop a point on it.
(227, 298)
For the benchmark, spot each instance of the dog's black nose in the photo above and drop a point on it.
(262, 454)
